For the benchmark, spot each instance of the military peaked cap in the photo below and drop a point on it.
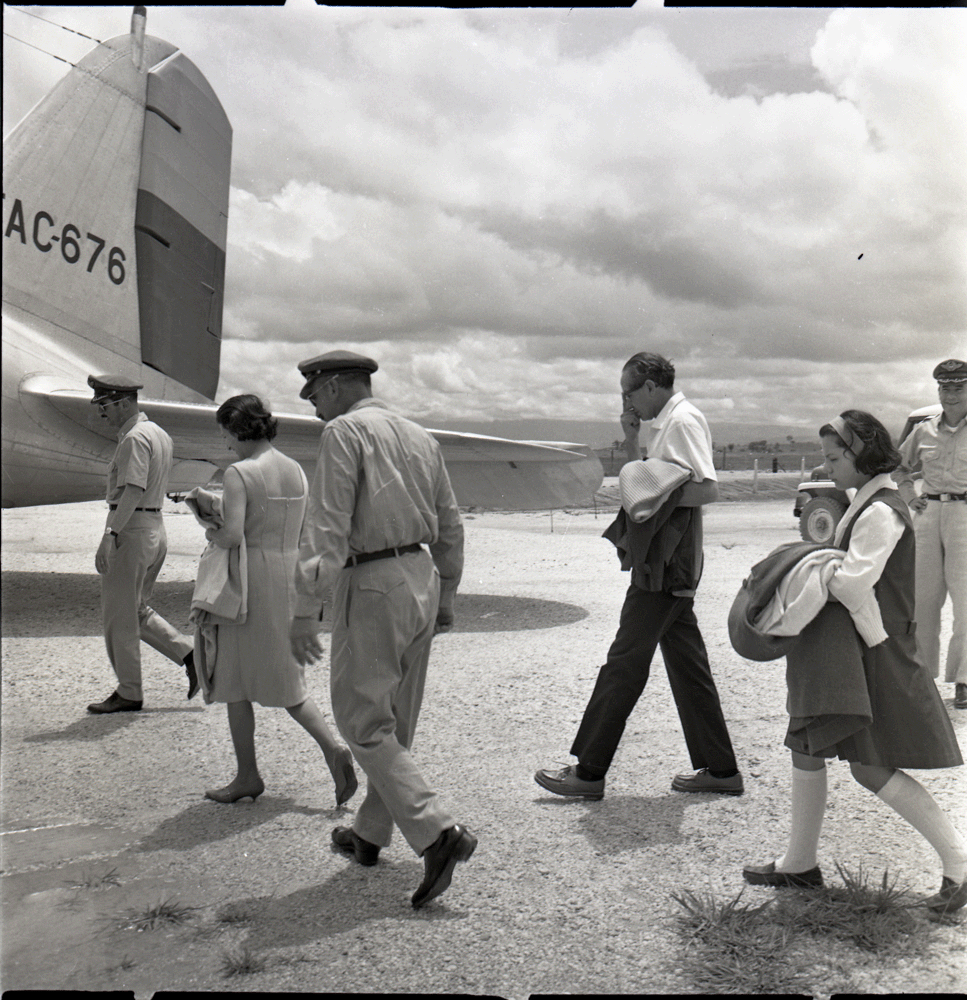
(951, 371)
(109, 388)
(333, 363)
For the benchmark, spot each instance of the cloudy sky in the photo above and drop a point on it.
(502, 206)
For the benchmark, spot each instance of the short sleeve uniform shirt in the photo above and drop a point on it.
(143, 458)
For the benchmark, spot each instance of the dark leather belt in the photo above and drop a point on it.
(382, 554)
(147, 510)
(944, 497)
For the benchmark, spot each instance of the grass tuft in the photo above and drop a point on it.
(241, 962)
(92, 881)
(735, 947)
(162, 913)
(233, 913)
(872, 913)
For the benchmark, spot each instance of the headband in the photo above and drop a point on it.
(853, 441)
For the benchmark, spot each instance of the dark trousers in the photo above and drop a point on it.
(650, 619)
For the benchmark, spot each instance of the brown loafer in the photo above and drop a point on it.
(960, 696)
(115, 703)
(350, 842)
(439, 859)
(767, 875)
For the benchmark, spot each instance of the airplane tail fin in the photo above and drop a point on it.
(116, 212)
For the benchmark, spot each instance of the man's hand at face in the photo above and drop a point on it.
(631, 425)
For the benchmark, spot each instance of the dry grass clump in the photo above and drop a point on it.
(736, 947)
(91, 880)
(872, 914)
(164, 912)
(241, 961)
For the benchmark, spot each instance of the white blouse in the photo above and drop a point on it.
(874, 537)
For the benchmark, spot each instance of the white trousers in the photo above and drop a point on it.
(941, 570)
(383, 617)
(138, 556)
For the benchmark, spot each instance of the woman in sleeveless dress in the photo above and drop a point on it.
(264, 501)
(910, 726)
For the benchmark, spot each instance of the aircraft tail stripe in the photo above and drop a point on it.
(181, 275)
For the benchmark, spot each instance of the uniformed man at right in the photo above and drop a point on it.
(938, 448)
(134, 544)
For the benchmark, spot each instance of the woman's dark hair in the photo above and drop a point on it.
(247, 418)
(877, 454)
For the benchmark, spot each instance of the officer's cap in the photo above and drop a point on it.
(109, 388)
(951, 371)
(333, 363)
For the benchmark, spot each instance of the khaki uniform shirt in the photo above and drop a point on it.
(142, 458)
(380, 483)
(940, 452)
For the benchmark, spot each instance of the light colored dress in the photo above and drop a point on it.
(254, 660)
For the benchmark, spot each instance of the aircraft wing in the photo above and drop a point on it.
(489, 472)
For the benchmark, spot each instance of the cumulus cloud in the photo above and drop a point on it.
(502, 206)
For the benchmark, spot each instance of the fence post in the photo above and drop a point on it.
(802, 469)
(755, 475)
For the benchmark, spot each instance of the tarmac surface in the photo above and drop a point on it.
(104, 816)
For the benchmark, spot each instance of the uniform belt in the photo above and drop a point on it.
(147, 510)
(944, 497)
(382, 554)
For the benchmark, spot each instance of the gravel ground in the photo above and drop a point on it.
(560, 897)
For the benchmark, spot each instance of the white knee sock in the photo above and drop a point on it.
(808, 807)
(917, 806)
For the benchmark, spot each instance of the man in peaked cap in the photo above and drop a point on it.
(134, 545)
(383, 530)
(333, 363)
(938, 448)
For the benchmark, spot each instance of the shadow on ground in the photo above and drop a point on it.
(69, 604)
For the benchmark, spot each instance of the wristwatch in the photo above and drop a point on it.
(110, 531)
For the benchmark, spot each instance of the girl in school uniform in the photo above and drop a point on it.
(909, 726)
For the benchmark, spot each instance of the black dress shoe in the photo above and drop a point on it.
(767, 875)
(350, 842)
(115, 703)
(952, 896)
(439, 858)
(189, 662)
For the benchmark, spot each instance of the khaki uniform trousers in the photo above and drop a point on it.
(384, 612)
(941, 570)
(139, 554)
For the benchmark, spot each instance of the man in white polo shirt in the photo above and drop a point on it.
(666, 565)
